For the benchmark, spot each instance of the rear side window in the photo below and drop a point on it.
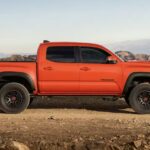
(93, 55)
(61, 54)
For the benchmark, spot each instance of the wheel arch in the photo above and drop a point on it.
(19, 77)
(134, 79)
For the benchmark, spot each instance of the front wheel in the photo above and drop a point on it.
(139, 98)
(127, 100)
(14, 98)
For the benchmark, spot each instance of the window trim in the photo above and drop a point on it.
(80, 55)
(75, 54)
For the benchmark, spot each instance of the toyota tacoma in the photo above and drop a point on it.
(73, 68)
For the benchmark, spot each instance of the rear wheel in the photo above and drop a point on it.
(14, 98)
(31, 100)
(139, 98)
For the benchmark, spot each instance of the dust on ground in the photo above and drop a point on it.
(75, 123)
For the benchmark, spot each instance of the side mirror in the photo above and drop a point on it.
(111, 60)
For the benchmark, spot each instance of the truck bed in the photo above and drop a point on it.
(23, 67)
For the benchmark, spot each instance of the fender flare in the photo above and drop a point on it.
(132, 77)
(5, 75)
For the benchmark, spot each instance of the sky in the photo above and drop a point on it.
(26, 23)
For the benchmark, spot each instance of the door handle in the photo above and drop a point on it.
(85, 69)
(48, 68)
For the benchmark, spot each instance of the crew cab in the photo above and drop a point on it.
(73, 68)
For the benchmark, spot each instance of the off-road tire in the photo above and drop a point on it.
(127, 100)
(135, 98)
(31, 100)
(14, 98)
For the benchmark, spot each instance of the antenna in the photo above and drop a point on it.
(46, 41)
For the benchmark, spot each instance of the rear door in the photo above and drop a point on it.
(59, 71)
(96, 75)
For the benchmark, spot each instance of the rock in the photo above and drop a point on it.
(146, 147)
(119, 120)
(81, 139)
(141, 136)
(113, 147)
(129, 147)
(3, 147)
(137, 143)
(14, 145)
(147, 123)
(43, 145)
(95, 146)
(113, 138)
(148, 142)
(65, 145)
(19, 58)
(51, 118)
(142, 57)
(1, 140)
(101, 138)
(148, 138)
(144, 142)
(125, 55)
(78, 146)
(134, 121)
(75, 140)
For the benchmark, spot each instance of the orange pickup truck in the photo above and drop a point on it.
(71, 68)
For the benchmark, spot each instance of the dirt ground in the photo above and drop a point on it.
(76, 123)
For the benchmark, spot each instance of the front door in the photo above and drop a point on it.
(98, 77)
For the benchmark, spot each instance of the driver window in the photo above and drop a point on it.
(93, 55)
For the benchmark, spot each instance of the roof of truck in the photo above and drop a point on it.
(72, 44)
(83, 44)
